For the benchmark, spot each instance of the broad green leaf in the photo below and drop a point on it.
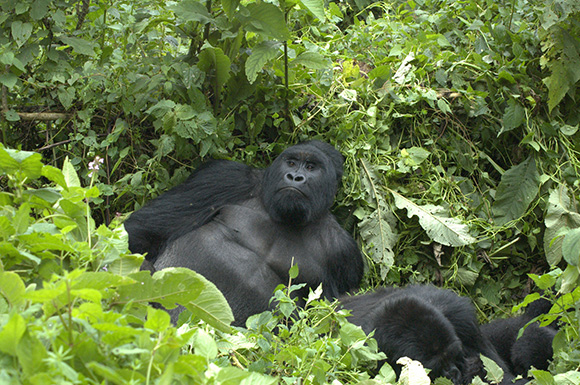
(205, 345)
(378, 232)
(571, 247)
(494, 372)
(255, 378)
(191, 10)
(214, 59)
(12, 288)
(8, 79)
(54, 174)
(517, 189)
(261, 54)
(436, 222)
(31, 353)
(70, 174)
(8, 165)
(39, 9)
(11, 334)
(21, 32)
(312, 60)
(565, 71)
(157, 320)
(81, 46)
(27, 162)
(230, 6)
(560, 216)
(173, 286)
(316, 7)
(265, 19)
(513, 116)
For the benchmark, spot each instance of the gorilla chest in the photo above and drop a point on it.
(279, 246)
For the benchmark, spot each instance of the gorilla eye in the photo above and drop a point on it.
(310, 166)
(290, 163)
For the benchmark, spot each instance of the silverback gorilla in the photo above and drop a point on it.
(243, 228)
(434, 326)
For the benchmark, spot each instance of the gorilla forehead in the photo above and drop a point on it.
(320, 151)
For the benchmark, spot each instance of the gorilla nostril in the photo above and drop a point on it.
(299, 178)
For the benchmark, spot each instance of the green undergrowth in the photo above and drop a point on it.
(75, 309)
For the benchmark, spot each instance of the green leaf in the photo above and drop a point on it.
(494, 372)
(21, 32)
(230, 6)
(191, 10)
(81, 46)
(565, 71)
(70, 175)
(205, 345)
(11, 334)
(316, 7)
(261, 54)
(12, 288)
(312, 60)
(560, 217)
(8, 165)
(157, 320)
(435, 221)
(214, 59)
(517, 189)
(571, 247)
(55, 175)
(265, 19)
(39, 9)
(8, 79)
(293, 271)
(513, 116)
(173, 286)
(27, 162)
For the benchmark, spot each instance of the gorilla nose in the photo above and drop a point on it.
(296, 178)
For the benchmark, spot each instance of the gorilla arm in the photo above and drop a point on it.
(190, 205)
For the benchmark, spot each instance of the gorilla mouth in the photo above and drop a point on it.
(290, 188)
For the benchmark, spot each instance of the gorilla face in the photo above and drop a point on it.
(301, 183)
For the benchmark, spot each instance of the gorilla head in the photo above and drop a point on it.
(300, 185)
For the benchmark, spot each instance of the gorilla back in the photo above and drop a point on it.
(243, 228)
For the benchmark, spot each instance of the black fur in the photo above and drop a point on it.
(431, 325)
(242, 227)
(533, 348)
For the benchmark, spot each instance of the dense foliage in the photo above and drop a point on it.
(458, 119)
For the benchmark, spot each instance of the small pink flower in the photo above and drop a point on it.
(94, 165)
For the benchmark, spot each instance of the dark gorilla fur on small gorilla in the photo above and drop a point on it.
(533, 348)
(243, 227)
(431, 325)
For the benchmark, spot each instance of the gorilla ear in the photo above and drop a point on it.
(331, 152)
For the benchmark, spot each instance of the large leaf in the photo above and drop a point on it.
(513, 116)
(378, 228)
(571, 247)
(261, 54)
(191, 10)
(173, 286)
(560, 217)
(214, 58)
(436, 222)
(82, 46)
(27, 162)
(517, 189)
(312, 60)
(265, 19)
(565, 71)
(316, 7)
